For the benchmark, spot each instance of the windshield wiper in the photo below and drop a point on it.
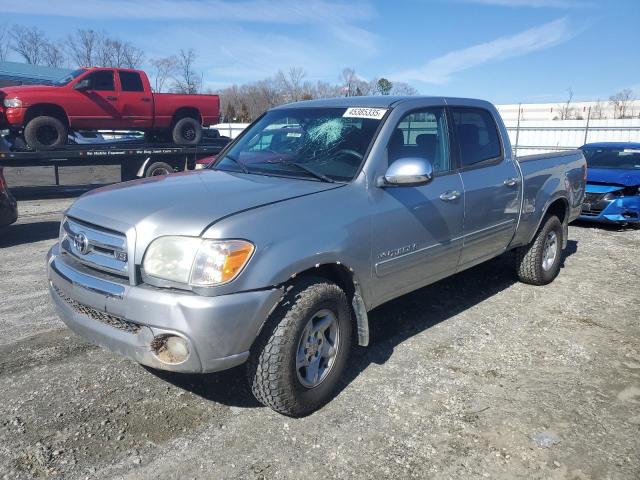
(242, 166)
(304, 168)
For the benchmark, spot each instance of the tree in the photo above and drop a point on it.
(163, 69)
(229, 113)
(349, 78)
(29, 43)
(621, 102)
(383, 86)
(5, 41)
(291, 83)
(567, 112)
(186, 80)
(53, 56)
(597, 111)
(401, 88)
(83, 47)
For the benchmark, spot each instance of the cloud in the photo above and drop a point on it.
(256, 11)
(530, 3)
(441, 70)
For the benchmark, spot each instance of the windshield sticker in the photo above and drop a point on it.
(631, 151)
(363, 112)
(294, 134)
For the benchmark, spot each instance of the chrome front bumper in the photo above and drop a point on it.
(125, 318)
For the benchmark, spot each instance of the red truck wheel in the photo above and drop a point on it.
(45, 133)
(187, 131)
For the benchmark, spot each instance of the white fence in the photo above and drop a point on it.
(532, 136)
(231, 130)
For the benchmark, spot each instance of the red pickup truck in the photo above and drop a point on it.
(103, 98)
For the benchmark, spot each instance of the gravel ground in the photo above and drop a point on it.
(476, 376)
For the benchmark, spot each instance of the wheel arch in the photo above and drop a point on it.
(46, 109)
(558, 206)
(345, 278)
(186, 112)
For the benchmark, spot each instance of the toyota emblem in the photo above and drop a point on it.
(81, 242)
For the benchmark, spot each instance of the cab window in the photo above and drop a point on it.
(477, 135)
(422, 133)
(130, 82)
(101, 80)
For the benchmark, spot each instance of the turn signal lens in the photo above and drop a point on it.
(220, 261)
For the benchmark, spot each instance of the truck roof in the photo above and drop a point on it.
(377, 101)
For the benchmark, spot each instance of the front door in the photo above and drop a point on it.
(491, 184)
(96, 106)
(417, 231)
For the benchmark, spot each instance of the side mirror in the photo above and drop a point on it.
(407, 172)
(82, 84)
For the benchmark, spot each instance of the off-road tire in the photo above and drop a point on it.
(158, 169)
(529, 257)
(271, 368)
(187, 131)
(32, 134)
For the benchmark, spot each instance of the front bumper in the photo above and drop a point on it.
(12, 117)
(219, 331)
(621, 210)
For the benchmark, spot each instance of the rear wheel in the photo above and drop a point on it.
(45, 133)
(187, 131)
(299, 357)
(539, 262)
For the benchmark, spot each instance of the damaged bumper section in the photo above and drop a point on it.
(161, 328)
(618, 210)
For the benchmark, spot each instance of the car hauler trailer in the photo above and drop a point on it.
(84, 165)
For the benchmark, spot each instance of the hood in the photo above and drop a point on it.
(184, 203)
(627, 178)
(10, 92)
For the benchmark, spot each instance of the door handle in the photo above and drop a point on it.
(111, 97)
(450, 195)
(145, 99)
(511, 182)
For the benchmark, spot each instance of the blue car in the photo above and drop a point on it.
(613, 183)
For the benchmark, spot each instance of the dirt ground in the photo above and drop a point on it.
(476, 376)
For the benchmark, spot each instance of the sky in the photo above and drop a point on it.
(505, 51)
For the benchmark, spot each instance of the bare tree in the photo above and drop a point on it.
(348, 78)
(621, 102)
(83, 47)
(401, 88)
(5, 41)
(187, 80)
(597, 111)
(291, 83)
(29, 43)
(567, 112)
(163, 69)
(113, 52)
(54, 56)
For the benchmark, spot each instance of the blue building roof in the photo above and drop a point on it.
(20, 73)
(614, 145)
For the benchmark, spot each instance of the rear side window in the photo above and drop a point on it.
(477, 135)
(101, 80)
(131, 82)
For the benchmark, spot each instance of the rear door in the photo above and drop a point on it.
(136, 104)
(491, 184)
(96, 106)
(417, 231)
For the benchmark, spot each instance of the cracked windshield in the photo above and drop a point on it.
(321, 144)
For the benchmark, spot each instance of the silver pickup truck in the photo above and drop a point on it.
(319, 212)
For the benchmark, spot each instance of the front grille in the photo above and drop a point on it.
(102, 317)
(593, 197)
(95, 247)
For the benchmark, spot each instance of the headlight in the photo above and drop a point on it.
(195, 261)
(12, 102)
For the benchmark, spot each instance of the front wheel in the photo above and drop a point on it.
(298, 358)
(45, 133)
(539, 262)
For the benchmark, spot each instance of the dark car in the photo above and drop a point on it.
(8, 205)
